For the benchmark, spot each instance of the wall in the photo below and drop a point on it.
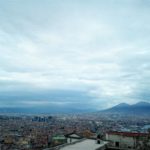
(124, 141)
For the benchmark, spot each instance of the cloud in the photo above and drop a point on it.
(100, 49)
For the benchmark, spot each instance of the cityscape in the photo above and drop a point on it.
(97, 130)
(74, 75)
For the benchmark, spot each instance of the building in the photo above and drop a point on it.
(73, 138)
(126, 140)
(86, 144)
(78, 143)
(58, 140)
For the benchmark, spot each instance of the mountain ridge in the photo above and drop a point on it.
(140, 108)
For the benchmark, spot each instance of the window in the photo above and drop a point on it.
(117, 144)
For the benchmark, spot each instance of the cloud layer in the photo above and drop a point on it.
(96, 53)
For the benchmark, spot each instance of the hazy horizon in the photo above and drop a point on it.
(87, 55)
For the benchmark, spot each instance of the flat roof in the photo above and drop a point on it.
(128, 134)
(87, 144)
(74, 135)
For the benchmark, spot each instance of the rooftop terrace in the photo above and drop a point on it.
(86, 144)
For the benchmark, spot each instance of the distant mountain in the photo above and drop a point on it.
(122, 105)
(141, 108)
(142, 104)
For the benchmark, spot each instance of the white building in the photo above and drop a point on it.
(71, 138)
(126, 140)
(82, 144)
(86, 144)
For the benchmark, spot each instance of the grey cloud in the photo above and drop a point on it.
(99, 48)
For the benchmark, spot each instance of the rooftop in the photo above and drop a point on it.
(129, 134)
(74, 136)
(86, 144)
(58, 137)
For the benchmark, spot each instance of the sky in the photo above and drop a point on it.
(82, 54)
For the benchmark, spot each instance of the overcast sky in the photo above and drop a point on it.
(75, 53)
